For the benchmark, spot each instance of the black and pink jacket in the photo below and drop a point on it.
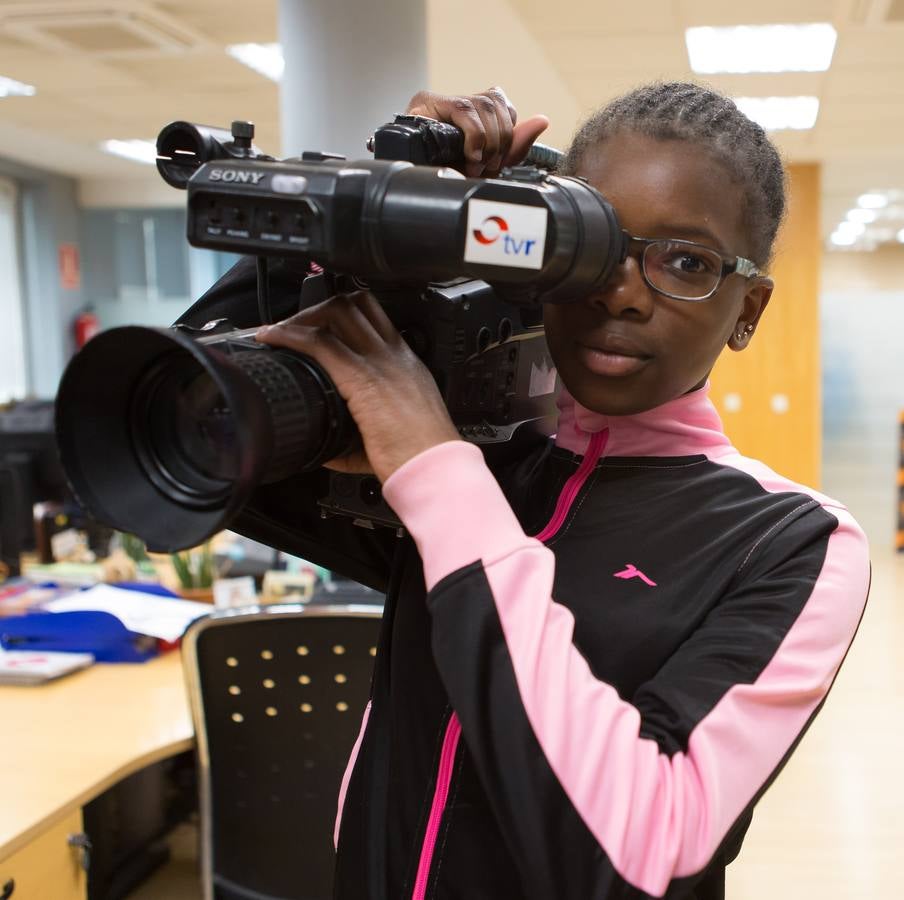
(593, 663)
(606, 658)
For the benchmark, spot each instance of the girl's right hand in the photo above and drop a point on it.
(493, 136)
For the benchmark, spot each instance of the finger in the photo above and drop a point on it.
(339, 360)
(373, 311)
(460, 112)
(342, 316)
(486, 109)
(524, 135)
(513, 113)
(354, 463)
(505, 122)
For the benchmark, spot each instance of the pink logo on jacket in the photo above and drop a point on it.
(633, 572)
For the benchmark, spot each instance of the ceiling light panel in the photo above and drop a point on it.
(872, 200)
(857, 214)
(267, 59)
(9, 87)
(135, 150)
(780, 113)
(761, 48)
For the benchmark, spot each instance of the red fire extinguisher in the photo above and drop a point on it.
(86, 326)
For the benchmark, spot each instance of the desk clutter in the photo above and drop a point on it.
(33, 667)
(117, 603)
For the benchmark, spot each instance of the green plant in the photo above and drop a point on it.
(194, 568)
(134, 547)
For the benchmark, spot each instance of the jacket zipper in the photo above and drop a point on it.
(574, 484)
(570, 490)
(441, 794)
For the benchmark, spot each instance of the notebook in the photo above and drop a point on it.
(38, 666)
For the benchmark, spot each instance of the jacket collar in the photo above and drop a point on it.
(686, 426)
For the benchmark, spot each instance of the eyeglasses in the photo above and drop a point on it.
(685, 270)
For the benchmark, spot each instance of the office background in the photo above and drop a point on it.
(121, 74)
(80, 225)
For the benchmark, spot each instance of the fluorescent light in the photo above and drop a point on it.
(862, 215)
(137, 151)
(9, 87)
(854, 228)
(778, 113)
(872, 201)
(843, 240)
(761, 48)
(264, 58)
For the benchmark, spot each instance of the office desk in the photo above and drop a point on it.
(66, 742)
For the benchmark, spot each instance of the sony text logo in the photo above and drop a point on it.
(239, 176)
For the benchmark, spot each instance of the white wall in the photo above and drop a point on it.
(862, 320)
(48, 217)
(12, 347)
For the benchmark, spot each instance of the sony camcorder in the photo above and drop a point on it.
(169, 433)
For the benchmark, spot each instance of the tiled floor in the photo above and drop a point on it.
(832, 825)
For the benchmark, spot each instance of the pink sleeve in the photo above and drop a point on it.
(658, 816)
(346, 777)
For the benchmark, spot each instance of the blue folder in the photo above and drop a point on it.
(99, 633)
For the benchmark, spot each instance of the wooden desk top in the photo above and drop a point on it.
(66, 742)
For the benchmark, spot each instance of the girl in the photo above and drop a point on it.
(596, 661)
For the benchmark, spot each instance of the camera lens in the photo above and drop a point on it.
(184, 431)
(203, 429)
(176, 444)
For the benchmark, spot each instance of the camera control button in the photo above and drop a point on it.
(289, 184)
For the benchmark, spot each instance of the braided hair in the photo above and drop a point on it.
(690, 112)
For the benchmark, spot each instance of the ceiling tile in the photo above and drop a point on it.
(586, 54)
(207, 71)
(870, 46)
(866, 83)
(767, 84)
(78, 74)
(227, 22)
(600, 18)
(763, 12)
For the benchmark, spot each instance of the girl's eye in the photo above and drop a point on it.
(690, 263)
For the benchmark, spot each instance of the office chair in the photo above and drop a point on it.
(277, 694)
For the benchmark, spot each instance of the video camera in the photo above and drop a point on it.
(168, 433)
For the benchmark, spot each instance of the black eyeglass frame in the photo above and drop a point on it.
(730, 264)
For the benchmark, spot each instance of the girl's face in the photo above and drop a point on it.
(660, 189)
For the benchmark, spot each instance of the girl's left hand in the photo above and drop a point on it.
(390, 393)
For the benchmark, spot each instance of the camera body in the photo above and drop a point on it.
(202, 421)
(488, 357)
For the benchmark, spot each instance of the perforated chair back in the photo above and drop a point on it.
(277, 695)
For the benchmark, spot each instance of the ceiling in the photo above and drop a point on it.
(122, 68)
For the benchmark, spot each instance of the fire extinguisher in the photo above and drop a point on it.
(86, 326)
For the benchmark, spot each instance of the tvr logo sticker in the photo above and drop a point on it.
(505, 234)
(495, 227)
(633, 572)
(491, 229)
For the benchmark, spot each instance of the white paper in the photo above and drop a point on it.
(160, 617)
(38, 666)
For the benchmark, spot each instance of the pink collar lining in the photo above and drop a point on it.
(686, 426)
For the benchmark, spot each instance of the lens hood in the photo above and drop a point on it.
(115, 446)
